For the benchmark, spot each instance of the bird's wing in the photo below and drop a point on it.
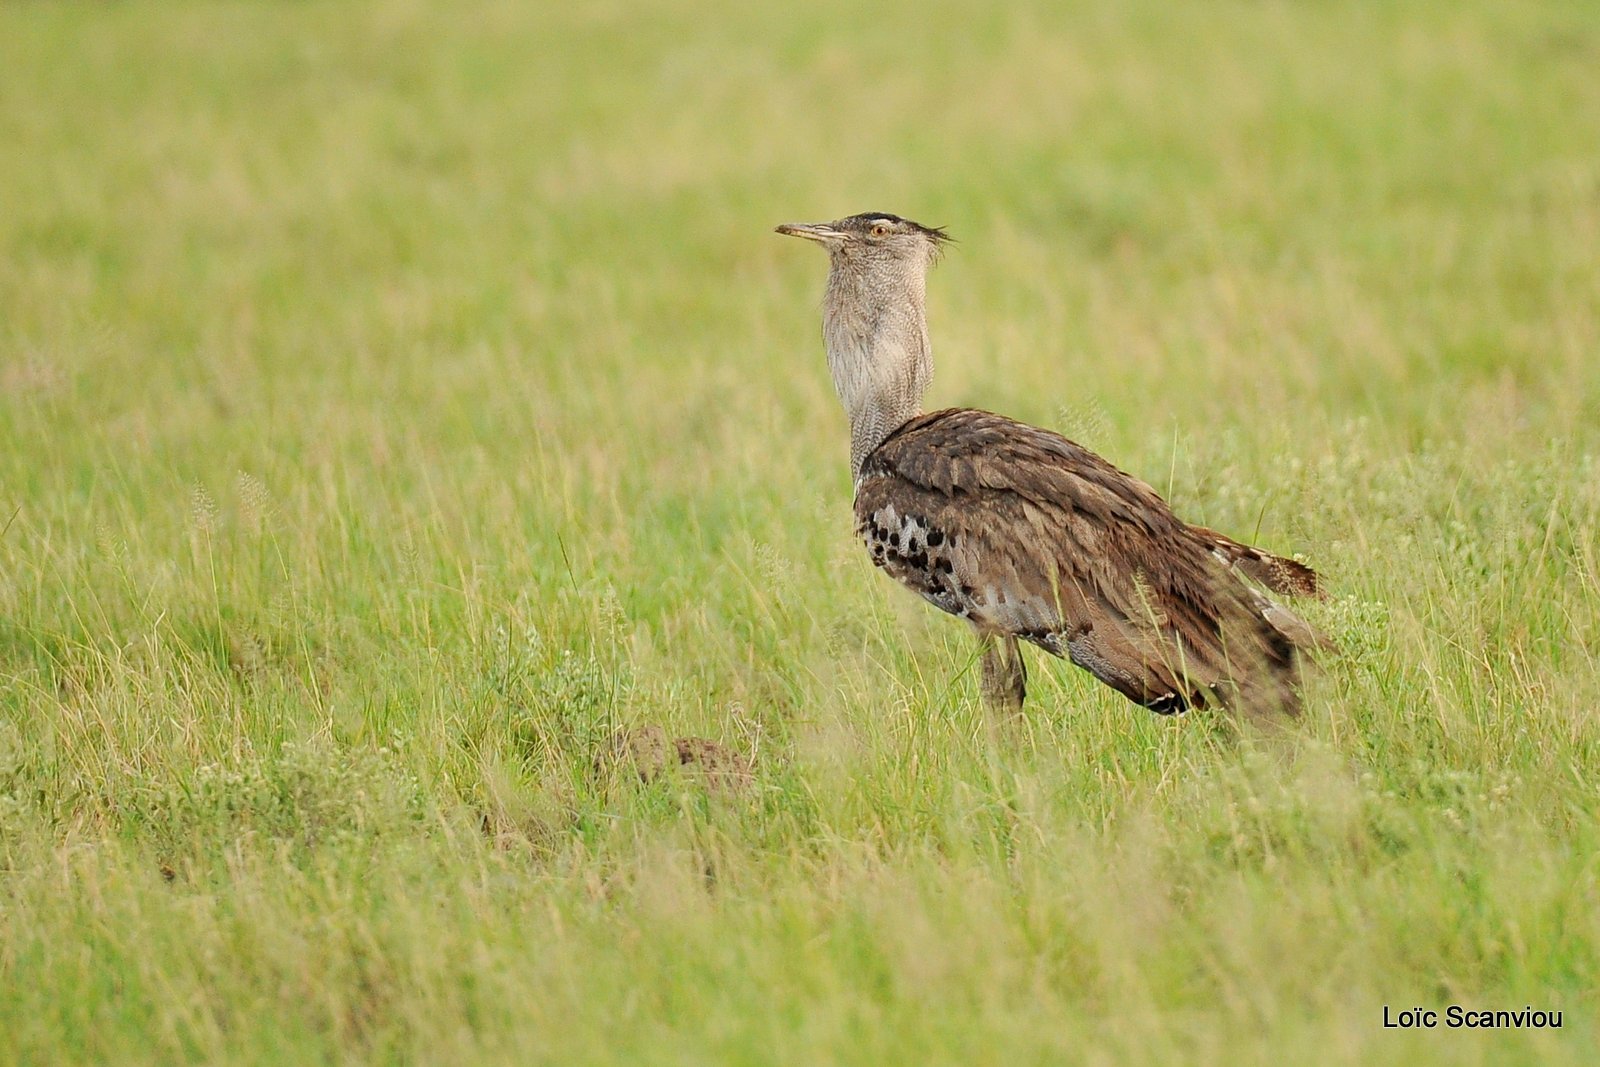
(1024, 532)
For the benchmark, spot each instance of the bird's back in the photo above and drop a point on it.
(1025, 533)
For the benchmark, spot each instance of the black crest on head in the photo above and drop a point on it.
(867, 218)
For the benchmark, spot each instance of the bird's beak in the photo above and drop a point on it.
(820, 232)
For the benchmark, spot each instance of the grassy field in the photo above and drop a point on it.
(396, 400)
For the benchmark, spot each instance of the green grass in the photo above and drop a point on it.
(398, 399)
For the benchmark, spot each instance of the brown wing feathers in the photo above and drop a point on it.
(1027, 534)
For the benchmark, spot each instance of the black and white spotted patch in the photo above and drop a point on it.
(917, 554)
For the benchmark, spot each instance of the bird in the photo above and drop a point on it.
(1029, 536)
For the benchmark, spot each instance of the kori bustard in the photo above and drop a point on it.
(1027, 535)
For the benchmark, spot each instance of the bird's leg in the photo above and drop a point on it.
(1004, 681)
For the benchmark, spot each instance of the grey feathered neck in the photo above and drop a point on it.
(875, 329)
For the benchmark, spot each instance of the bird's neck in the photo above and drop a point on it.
(876, 332)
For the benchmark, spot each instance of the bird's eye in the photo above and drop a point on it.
(880, 229)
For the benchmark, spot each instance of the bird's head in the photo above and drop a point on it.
(874, 241)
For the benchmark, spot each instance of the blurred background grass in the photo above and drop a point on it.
(395, 400)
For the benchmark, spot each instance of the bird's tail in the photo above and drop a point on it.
(1278, 574)
(1301, 635)
(1277, 657)
(1289, 641)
